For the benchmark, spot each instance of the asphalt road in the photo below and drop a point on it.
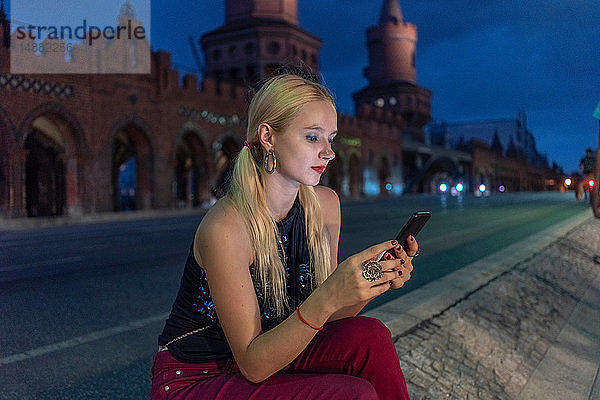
(81, 305)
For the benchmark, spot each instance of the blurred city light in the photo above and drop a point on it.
(501, 188)
(482, 188)
(459, 187)
(568, 181)
(591, 183)
(388, 186)
(443, 187)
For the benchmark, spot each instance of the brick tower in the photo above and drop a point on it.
(258, 35)
(392, 72)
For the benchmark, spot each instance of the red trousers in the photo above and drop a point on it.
(353, 358)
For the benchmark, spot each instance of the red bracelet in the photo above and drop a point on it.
(316, 328)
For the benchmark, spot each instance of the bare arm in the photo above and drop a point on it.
(223, 245)
(225, 251)
(330, 205)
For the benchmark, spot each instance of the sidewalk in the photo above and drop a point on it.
(523, 323)
(12, 224)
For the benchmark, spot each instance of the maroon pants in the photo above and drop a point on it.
(352, 358)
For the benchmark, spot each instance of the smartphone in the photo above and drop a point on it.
(412, 227)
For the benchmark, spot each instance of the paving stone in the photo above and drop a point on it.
(488, 345)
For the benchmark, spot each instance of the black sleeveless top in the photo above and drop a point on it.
(194, 308)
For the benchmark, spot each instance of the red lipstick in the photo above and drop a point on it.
(320, 169)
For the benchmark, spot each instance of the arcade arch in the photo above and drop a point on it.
(45, 186)
(384, 175)
(436, 170)
(335, 173)
(191, 170)
(355, 175)
(132, 168)
(226, 150)
(53, 146)
(7, 132)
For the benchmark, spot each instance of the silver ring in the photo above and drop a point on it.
(372, 270)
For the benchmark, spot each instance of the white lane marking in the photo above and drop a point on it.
(43, 263)
(90, 337)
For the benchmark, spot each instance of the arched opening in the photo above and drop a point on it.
(354, 171)
(385, 184)
(186, 179)
(438, 171)
(6, 147)
(132, 168)
(225, 157)
(127, 185)
(335, 174)
(190, 172)
(46, 167)
(45, 178)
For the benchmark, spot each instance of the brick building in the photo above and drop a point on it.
(504, 152)
(84, 143)
(65, 138)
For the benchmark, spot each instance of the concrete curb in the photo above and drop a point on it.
(407, 312)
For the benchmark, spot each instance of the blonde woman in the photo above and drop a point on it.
(264, 311)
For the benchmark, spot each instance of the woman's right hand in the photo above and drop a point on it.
(346, 286)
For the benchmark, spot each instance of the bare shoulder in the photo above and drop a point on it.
(222, 229)
(329, 200)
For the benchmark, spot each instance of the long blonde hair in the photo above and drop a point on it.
(277, 103)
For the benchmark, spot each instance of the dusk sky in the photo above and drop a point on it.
(482, 59)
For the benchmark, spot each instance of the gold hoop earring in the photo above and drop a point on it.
(270, 153)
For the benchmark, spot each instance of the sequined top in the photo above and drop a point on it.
(193, 308)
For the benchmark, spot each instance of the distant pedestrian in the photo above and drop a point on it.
(264, 311)
(586, 165)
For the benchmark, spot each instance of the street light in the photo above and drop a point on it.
(443, 187)
(568, 182)
(459, 187)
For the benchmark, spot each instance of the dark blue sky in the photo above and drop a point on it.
(482, 59)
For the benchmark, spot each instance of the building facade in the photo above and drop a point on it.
(256, 38)
(73, 143)
(503, 150)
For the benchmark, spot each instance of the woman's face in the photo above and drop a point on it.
(303, 149)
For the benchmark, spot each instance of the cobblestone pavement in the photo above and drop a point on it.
(488, 344)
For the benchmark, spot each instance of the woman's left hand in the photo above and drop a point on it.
(406, 260)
